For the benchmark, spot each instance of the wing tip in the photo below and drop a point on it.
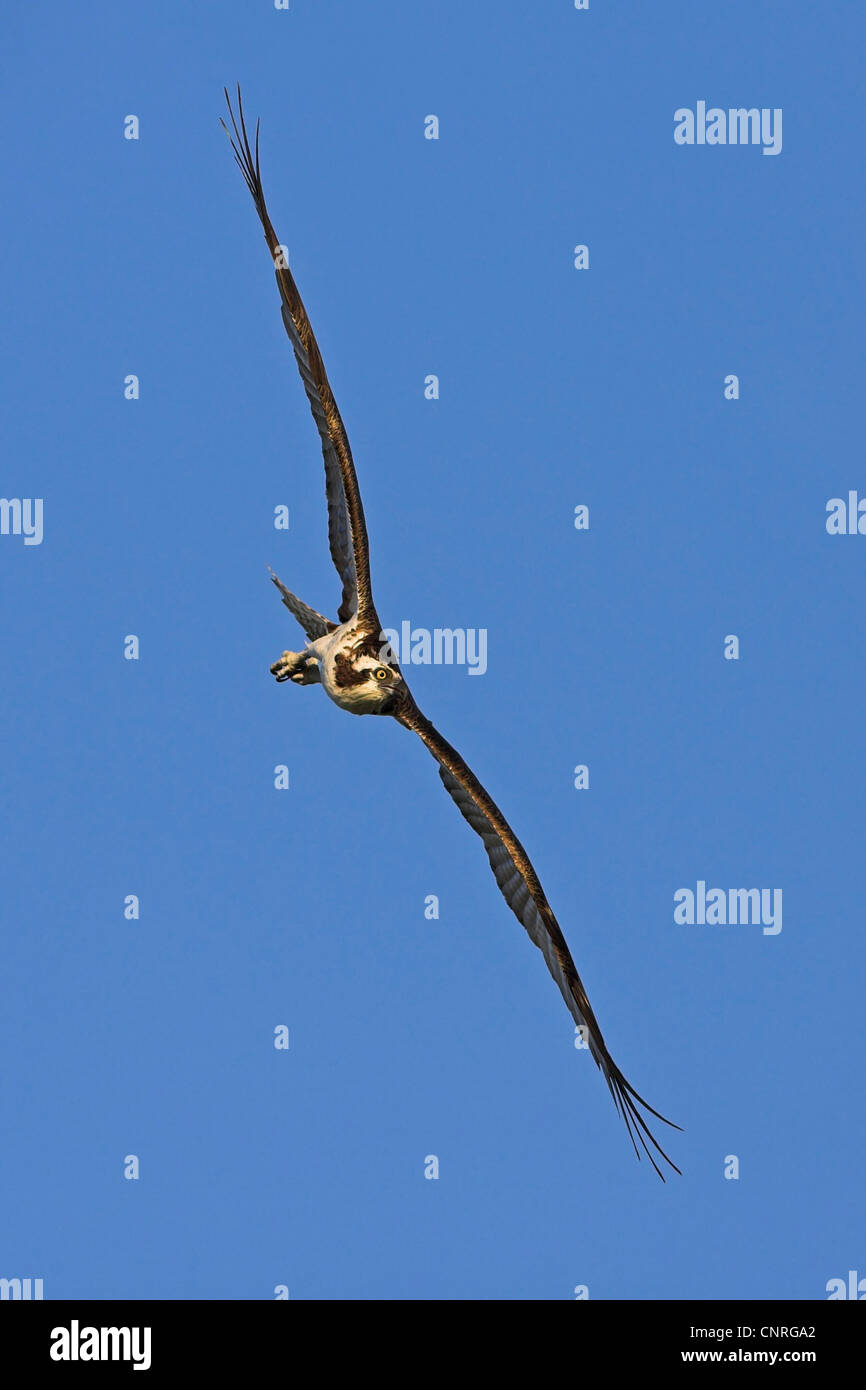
(627, 1100)
(246, 154)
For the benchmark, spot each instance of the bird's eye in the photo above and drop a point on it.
(381, 673)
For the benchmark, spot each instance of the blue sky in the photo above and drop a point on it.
(259, 907)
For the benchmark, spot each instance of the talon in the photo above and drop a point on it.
(294, 666)
(283, 666)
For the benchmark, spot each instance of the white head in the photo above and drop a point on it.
(363, 684)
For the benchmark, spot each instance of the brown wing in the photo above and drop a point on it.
(522, 891)
(347, 531)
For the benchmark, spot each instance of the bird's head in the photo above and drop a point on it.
(365, 679)
(383, 685)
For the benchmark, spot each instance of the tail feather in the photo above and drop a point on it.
(314, 624)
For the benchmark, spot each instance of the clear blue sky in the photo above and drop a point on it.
(259, 907)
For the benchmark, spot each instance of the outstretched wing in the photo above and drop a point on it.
(522, 891)
(347, 531)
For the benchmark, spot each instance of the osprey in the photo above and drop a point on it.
(351, 659)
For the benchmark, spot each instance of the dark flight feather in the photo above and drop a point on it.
(347, 530)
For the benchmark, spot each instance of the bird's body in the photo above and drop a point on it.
(353, 665)
(351, 659)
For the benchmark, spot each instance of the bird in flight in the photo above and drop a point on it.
(359, 672)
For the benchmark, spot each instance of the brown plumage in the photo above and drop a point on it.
(522, 890)
(351, 554)
(359, 674)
